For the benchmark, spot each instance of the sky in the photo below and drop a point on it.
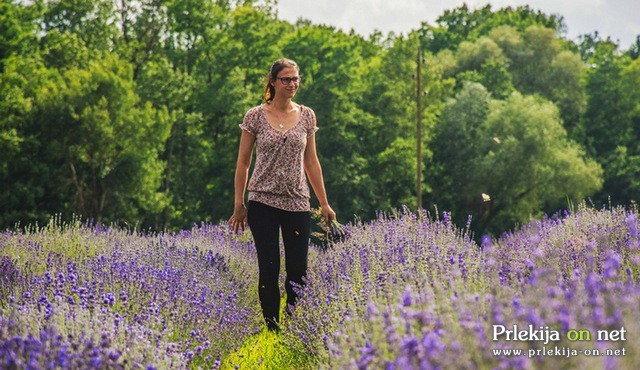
(618, 19)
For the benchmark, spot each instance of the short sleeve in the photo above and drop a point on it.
(250, 122)
(312, 125)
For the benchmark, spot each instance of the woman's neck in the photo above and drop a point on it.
(283, 105)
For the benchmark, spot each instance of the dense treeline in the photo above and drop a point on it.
(127, 111)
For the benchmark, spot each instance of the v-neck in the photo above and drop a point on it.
(264, 115)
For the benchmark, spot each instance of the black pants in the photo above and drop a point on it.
(265, 223)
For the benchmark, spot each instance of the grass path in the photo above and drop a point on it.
(265, 350)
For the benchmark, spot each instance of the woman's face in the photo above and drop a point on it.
(287, 83)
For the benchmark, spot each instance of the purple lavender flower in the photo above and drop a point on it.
(632, 224)
(612, 262)
(367, 356)
(446, 219)
(406, 297)
(486, 242)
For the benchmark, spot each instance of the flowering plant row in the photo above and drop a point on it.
(79, 296)
(410, 292)
(403, 291)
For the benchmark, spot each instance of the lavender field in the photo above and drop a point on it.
(404, 291)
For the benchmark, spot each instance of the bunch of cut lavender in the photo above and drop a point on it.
(323, 234)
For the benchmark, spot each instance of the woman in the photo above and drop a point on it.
(283, 133)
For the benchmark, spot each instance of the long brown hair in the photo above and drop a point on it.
(276, 67)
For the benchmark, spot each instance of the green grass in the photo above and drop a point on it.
(266, 350)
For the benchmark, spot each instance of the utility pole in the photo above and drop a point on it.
(419, 132)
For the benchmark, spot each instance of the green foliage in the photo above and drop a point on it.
(610, 126)
(515, 151)
(532, 61)
(94, 146)
(93, 21)
(128, 111)
(460, 24)
(594, 50)
(21, 169)
(113, 151)
(16, 29)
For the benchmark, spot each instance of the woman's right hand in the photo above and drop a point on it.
(239, 218)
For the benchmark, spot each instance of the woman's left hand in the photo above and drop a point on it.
(328, 214)
(239, 218)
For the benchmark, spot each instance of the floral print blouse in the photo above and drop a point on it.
(278, 179)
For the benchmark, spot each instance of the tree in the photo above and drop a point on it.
(91, 20)
(101, 144)
(634, 50)
(455, 144)
(462, 24)
(16, 29)
(83, 80)
(388, 94)
(515, 151)
(483, 61)
(540, 63)
(531, 62)
(594, 50)
(21, 174)
(195, 27)
(610, 126)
